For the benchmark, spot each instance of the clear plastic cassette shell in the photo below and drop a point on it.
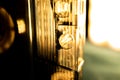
(60, 31)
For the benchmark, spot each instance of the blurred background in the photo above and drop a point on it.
(102, 48)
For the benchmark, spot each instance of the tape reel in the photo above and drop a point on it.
(7, 33)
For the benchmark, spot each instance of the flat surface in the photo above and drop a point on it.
(100, 63)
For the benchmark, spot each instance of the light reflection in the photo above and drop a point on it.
(21, 26)
(62, 8)
(104, 23)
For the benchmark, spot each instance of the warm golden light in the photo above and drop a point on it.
(21, 26)
(104, 24)
(7, 32)
(62, 8)
(60, 34)
(114, 38)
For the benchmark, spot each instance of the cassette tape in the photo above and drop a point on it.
(51, 31)
(60, 33)
(42, 38)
